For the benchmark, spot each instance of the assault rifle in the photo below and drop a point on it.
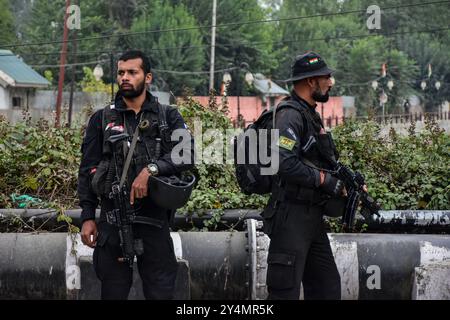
(124, 215)
(354, 183)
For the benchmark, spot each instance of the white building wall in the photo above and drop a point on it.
(4, 98)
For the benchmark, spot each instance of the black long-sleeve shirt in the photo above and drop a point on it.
(92, 149)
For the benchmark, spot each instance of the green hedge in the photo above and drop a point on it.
(402, 172)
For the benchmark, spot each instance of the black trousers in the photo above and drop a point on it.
(300, 253)
(157, 266)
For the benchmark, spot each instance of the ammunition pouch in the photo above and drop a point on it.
(326, 146)
(100, 179)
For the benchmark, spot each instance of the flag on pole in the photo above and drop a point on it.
(223, 89)
(383, 70)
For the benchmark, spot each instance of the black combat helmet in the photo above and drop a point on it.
(171, 192)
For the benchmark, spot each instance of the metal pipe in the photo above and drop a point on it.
(392, 221)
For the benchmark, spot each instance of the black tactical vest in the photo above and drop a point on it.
(313, 144)
(152, 126)
(313, 148)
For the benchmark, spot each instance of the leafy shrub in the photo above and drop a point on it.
(402, 172)
(217, 188)
(39, 160)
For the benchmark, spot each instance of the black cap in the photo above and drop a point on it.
(309, 65)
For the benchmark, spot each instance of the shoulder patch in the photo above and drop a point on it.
(286, 143)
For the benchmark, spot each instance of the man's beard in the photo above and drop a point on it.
(319, 97)
(133, 93)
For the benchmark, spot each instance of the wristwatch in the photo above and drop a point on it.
(153, 169)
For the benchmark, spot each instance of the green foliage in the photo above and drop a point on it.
(217, 188)
(48, 74)
(7, 35)
(43, 21)
(39, 161)
(251, 43)
(179, 51)
(90, 84)
(402, 172)
(268, 47)
(357, 59)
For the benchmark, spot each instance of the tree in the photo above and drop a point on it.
(8, 34)
(419, 46)
(90, 84)
(174, 51)
(251, 43)
(46, 24)
(355, 52)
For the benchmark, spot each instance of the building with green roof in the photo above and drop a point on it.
(18, 81)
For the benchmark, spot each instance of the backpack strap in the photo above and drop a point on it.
(307, 118)
(286, 104)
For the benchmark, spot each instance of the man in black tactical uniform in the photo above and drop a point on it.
(300, 250)
(133, 107)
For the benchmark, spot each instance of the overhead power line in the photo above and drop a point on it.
(224, 24)
(258, 43)
(198, 73)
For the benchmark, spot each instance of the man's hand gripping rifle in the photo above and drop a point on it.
(354, 184)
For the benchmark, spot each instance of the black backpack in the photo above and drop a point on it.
(248, 174)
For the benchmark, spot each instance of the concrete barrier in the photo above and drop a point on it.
(227, 265)
(431, 281)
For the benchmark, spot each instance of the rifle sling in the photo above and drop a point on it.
(129, 155)
(312, 165)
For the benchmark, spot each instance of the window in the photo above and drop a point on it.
(16, 102)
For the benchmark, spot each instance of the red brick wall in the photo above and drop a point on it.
(251, 107)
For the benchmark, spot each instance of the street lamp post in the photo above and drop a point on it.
(424, 86)
(248, 78)
(98, 70)
(383, 84)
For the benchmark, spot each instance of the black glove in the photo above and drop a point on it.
(332, 185)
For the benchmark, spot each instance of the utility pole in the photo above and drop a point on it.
(62, 66)
(72, 82)
(213, 45)
(111, 67)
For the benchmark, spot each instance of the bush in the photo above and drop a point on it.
(402, 172)
(39, 160)
(217, 188)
